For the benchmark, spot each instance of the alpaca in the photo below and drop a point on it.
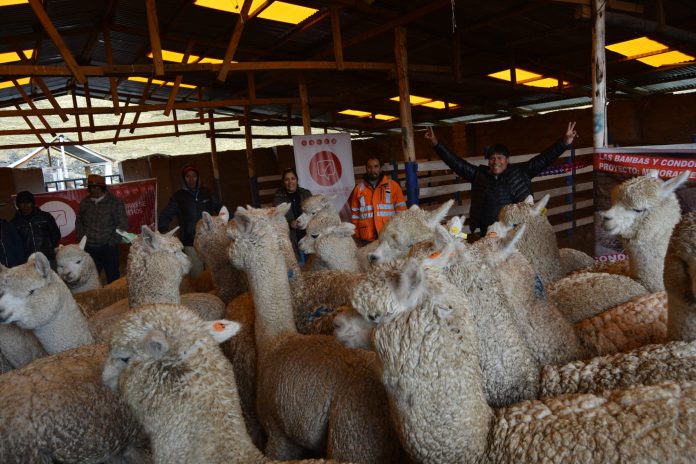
(163, 350)
(427, 344)
(644, 211)
(333, 246)
(36, 299)
(76, 267)
(18, 347)
(539, 244)
(57, 410)
(210, 239)
(406, 229)
(318, 206)
(333, 402)
(680, 280)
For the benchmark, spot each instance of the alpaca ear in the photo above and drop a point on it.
(345, 229)
(442, 237)
(83, 242)
(439, 214)
(281, 210)
(155, 344)
(207, 221)
(222, 329)
(441, 259)
(541, 204)
(410, 286)
(43, 267)
(507, 245)
(498, 229)
(328, 199)
(671, 185)
(243, 221)
(529, 200)
(150, 238)
(224, 214)
(171, 232)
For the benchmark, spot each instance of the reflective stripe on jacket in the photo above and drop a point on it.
(372, 208)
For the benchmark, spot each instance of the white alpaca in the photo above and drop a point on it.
(539, 244)
(406, 229)
(318, 206)
(76, 267)
(340, 408)
(164, 350)
(427, 344)
(680, 280)
(57, 410)
(333, 246)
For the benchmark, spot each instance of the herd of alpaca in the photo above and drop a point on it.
(418, 348)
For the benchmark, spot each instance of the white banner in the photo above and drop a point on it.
(324, 165)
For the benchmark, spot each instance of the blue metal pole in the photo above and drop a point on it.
(411, 183)
(255, 198)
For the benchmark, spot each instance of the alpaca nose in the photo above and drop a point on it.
(372, 317)
(373, 258)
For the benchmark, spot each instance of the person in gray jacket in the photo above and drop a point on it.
(292, 193)
(499, 183)
(101, 213)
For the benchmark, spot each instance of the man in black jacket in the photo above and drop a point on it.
(37, 229)
(499, 183)
(188, 204)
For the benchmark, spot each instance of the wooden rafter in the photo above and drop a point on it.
(44, 88)
(234, 41)
(113, 82)
(120, 121)
(336, 34)
(34, 109)
(153, 27)
(77, 115)
(57, 40)
(176, 122)
(143, 99)
(177, 81)
(32, 128)
(88, 100)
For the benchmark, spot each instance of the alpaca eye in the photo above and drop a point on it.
(125, 360)
(31, 292)
(639, 210)
(78, 262)
(315, 235)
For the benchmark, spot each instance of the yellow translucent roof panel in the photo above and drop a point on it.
(637, 46)
(159, 82)
(360, 114)
(385, 117)
(663, 59)
(7, 84)
(176, 57)
(231, 6)
(414, 99)
(287, 12)
(12, 2)
(520, 74)
(10, 57)
(546, 82)
(439, 105)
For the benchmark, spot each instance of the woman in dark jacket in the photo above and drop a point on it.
(37, 229)
(11, 249)
(292, 193)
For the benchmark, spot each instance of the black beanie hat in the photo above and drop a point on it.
(24, 197)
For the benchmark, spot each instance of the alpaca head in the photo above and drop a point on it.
(406, 229)
(211, 236)
(161, 254)
(158, 345)
(254, 231)
(29, 293)
(320, 236)
(317, 205)
(524, 212)
(636, 200)
(73, 263)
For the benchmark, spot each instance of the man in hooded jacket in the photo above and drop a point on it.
(188, 204)
(37, 229)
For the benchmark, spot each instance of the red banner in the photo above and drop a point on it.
(139, 198)
(641, 164)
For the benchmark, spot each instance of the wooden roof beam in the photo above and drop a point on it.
(57, 40)
(234, 40)
(155, 44)
(77, 115)
(143, 99)
(177, 81)
(34, 110)
(44, 88)
(120, 122)
(113, 82)
(32, 128)
(336, 34)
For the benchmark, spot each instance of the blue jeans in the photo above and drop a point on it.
(106, 257)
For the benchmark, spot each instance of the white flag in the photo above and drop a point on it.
(324, 165)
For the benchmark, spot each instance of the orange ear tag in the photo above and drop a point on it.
(492, 234)
(218, 326)
(435, 255)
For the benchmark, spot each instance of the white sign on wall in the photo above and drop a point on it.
(324, 164)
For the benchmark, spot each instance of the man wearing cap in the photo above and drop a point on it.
(101, 213)
(499, 183)
(188, 204)
(37, 229)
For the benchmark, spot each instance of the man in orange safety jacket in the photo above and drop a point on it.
(375, 199)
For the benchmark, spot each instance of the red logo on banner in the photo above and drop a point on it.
(325, 168)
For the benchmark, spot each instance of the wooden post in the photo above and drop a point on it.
(304, 101)
(405, 114)
(77, 116)
(599, 82)
(214, 156)
(155, 44)
(253, 181)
